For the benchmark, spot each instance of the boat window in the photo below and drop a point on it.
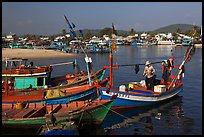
(40, 81)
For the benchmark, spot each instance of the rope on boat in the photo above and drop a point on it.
(80, 119)
(187, 56)
(127, 119)
(115, 112)
(66, 63)
(123, 65)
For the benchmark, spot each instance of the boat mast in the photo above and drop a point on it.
(111, 67)
(87, 59)
(110, 84)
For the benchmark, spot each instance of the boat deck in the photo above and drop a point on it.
(19, 110)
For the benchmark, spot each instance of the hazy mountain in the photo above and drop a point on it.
(169, 28)
(174, 27)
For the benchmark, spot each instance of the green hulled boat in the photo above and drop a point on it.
(36, 115)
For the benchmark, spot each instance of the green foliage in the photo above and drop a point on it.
(132, 32)
(175, 28)
(64, 32)
(87, 35)
(32, 37)
(105, 31)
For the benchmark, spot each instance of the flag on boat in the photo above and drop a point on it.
(69, 25)
(113, 42)
(80, 33)
(114, 31)
(72, 33)
(113, 45)
(73, 26)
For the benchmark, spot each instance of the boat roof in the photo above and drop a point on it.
(15, 59)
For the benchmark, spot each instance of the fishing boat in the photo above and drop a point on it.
(165, 42)
(61, 95)
(138, 43)
(18, 75)
(138, 95)
(186, 42)
(33, 115)
(95, 48)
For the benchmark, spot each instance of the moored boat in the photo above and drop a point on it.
(165, 42)
(33, 115)
(138, 95)
(52, 96)
(19, 76)
(187, 42)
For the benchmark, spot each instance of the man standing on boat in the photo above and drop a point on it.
(149, 73)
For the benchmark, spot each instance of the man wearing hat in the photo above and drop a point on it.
(149, 73)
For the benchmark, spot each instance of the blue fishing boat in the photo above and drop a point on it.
(138, 95)
(186, 42)
(137, 43)
(95, 48)
(52, 96)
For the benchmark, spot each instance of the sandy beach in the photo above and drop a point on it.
(33, 53)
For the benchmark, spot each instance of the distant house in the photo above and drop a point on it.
(163, 36)
(58, 38)
(144, 36)
(44, 38)
(73, 42)
(11, 37)
(136, 35)
(95, 39)
(67, 35)
(106, 37)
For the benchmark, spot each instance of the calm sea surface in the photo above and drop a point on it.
(181, 115)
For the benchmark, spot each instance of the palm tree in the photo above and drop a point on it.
(64, 32)
(132, 32)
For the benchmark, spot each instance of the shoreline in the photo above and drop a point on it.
(34, 53)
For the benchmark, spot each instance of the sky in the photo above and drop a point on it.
(47, 18)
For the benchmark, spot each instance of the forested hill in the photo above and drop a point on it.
(169, 28)
(175, 27)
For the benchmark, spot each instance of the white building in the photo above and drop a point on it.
(59, 38)
(10, 37)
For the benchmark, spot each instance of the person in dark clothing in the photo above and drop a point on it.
(150, 77)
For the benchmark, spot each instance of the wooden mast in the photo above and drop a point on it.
(111, 69)
(110, 84)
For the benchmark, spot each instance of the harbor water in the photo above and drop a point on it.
(181, 115)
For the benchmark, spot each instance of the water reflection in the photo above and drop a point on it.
(160, 118)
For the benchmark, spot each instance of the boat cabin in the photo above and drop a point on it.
(20, 75)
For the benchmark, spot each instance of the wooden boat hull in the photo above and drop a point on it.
(72, 94)
(92, 112)
(77, 80)
(94, 115)
(137, 98)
